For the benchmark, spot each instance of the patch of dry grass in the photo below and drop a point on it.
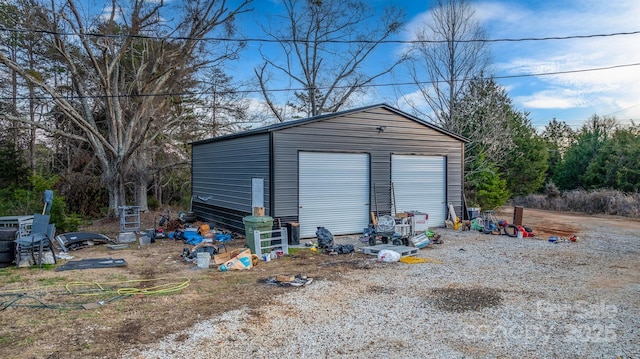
(48, 322)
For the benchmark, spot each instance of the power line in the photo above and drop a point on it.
(266, 40)
(622, 110)
(70, 97)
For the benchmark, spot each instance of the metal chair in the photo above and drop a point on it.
(32, 248)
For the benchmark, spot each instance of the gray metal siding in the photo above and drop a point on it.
(221, 177)
(356, 132)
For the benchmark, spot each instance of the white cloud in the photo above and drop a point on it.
(548, 99)
(602, 92)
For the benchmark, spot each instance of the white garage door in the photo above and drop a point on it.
(420, 185)
(333, 192)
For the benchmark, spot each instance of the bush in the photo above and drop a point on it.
(601, 201)
(70, 223)
(19, 201)
(153, 204)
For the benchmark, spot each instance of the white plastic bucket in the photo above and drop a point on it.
(145, 240)
(204, 259)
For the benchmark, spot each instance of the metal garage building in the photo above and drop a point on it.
(331, 170)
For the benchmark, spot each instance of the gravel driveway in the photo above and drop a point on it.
(492, 296)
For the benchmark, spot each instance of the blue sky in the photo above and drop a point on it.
(572, 98)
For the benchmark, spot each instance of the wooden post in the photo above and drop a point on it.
(518, 212)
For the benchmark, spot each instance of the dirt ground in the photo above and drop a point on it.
(158, 293)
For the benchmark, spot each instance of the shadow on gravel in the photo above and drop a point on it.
(465, 300)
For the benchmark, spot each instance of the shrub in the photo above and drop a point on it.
(153, 203)
(601, 201)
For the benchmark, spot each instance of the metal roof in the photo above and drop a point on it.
(300, 122)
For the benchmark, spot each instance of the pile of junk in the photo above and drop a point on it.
(487, 223)
(405, 229)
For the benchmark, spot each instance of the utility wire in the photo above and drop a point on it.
(71, 97)
(266, 40)
(622, 110)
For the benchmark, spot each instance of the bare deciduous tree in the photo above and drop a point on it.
(448, 53)
(323, 46)
(128, 64)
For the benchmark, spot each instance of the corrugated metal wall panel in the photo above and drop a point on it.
(334, 192)
(221, 176)
(357, 132)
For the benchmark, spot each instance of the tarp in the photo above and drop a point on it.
(191, 237)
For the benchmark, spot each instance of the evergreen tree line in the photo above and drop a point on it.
(603, 156)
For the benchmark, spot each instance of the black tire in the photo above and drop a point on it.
(7, 246)
(6, 257)
(396, 242)
(384, 240)
(372, 241)
(187, 217)
(511, 230)
(8, 234)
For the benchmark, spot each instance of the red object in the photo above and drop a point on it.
(525, 234)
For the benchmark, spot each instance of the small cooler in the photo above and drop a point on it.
(419, 222)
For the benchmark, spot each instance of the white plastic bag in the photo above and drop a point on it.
(387, 255)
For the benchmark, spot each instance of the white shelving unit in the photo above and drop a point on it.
(129, 218)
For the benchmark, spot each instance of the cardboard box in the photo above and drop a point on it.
(285, 278)
(221, 258)
(227, 256)
(258, 211)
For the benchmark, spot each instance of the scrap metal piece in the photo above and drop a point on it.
(92, 263)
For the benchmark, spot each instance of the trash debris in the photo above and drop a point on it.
(285, 278)
(421, 240)
(78, 240)
(416, 260)
(92, 263)
(243, 260)
(388, 256)
(65, 256)
(116, 246)
(203, 259)
(403, 250)
(341, 249)
(556, 239)
(288, 281)
(325, 238)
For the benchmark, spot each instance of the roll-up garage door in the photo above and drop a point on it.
(420, 185)
(333, 192)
